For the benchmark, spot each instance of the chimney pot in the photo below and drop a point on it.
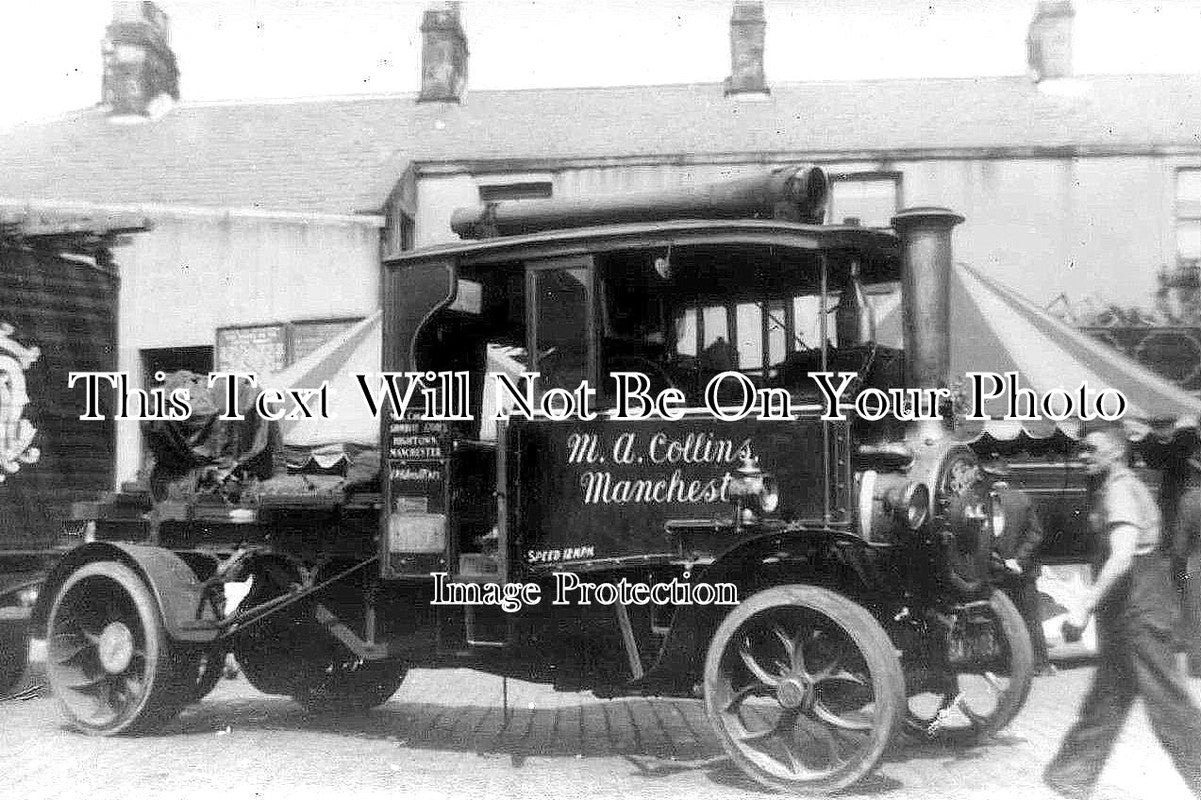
(443, 54)
(747, 28)
(139, 66)
(1049, 41)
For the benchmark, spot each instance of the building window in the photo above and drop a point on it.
(198, 360)
(522, 190)
(1188, 217)
(870, 199)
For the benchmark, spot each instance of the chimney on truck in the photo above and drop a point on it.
(925, 234)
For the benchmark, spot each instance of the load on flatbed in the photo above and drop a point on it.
(857, 550)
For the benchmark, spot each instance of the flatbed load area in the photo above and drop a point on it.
(225, 476)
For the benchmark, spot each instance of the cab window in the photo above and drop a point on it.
(560, 323)
(684, 317)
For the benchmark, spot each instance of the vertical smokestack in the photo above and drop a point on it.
(139, 67)
(926, 293)
(1049, 42)
(443, 54)
(747, 28)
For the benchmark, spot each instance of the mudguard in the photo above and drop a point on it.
(13, 616)
(171, 581)
(11, 584)
(831, 558)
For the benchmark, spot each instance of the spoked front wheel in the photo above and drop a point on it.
(804, 689)
(108, 658)
(984, 680)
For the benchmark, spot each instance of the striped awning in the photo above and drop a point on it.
(996, 329)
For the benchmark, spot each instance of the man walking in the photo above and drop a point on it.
(1018, 535)
(1134, 603)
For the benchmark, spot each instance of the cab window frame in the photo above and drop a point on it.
(536, 268)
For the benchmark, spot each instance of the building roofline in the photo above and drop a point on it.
(869, 241)
(412, 95)
(159, 210)
(48, 119)
(888, 155)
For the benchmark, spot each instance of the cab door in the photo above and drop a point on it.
(561, 321)
(415, 453)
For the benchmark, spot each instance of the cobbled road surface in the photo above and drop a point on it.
(445, 735)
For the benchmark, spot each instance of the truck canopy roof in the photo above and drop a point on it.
(877, 250)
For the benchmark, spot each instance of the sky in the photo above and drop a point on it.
(252, 49)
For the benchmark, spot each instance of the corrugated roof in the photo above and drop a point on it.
(343, 155)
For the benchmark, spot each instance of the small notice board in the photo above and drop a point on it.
(267, 348)
(261, 349)
(305, 337)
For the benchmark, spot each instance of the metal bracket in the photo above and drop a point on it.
(627, 638)
(242, 619)
(341, 632)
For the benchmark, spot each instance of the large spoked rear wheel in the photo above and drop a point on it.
(978, 696)
(804, 689)
(201, 671)
(291, 654)
(269, 651)
(350, 684)
(108, 658)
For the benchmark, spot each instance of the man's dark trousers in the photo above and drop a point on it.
(1023, 591)
(1186, 549)
(1190, 627)
(1137, 659)
(1020, 540)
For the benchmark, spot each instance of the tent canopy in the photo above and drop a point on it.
(995, 329)
(350, 426)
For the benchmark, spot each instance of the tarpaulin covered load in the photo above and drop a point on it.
(203, 450)
(995, 329)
